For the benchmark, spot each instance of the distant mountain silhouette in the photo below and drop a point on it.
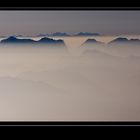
(18, 36)
(43, 40)
(42, 35)
(125, 41)
(13, 39)
(87, 34)
(119, 40)
(59, 34)
(50, 41)
(93, 41)
(134, 40)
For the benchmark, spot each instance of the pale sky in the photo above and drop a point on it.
(36, 22)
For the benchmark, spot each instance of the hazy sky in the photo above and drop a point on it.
(36, 22)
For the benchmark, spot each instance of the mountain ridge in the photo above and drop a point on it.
(124, 40)
(87, 34)
(45, 40)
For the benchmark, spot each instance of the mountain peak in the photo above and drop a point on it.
(11, 38)
(119, 40)
(50, 40)
(90, 41)
(125, 40)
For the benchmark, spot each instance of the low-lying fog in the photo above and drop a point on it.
(90, 83)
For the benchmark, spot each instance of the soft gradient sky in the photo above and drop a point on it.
(36, 22)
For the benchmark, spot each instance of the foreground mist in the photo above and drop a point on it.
(90, 83)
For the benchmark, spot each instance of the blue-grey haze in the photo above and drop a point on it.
(36, 22)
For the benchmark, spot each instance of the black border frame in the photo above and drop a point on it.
(70, 123)
(69, 8)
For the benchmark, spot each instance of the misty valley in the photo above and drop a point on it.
(69, 78)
